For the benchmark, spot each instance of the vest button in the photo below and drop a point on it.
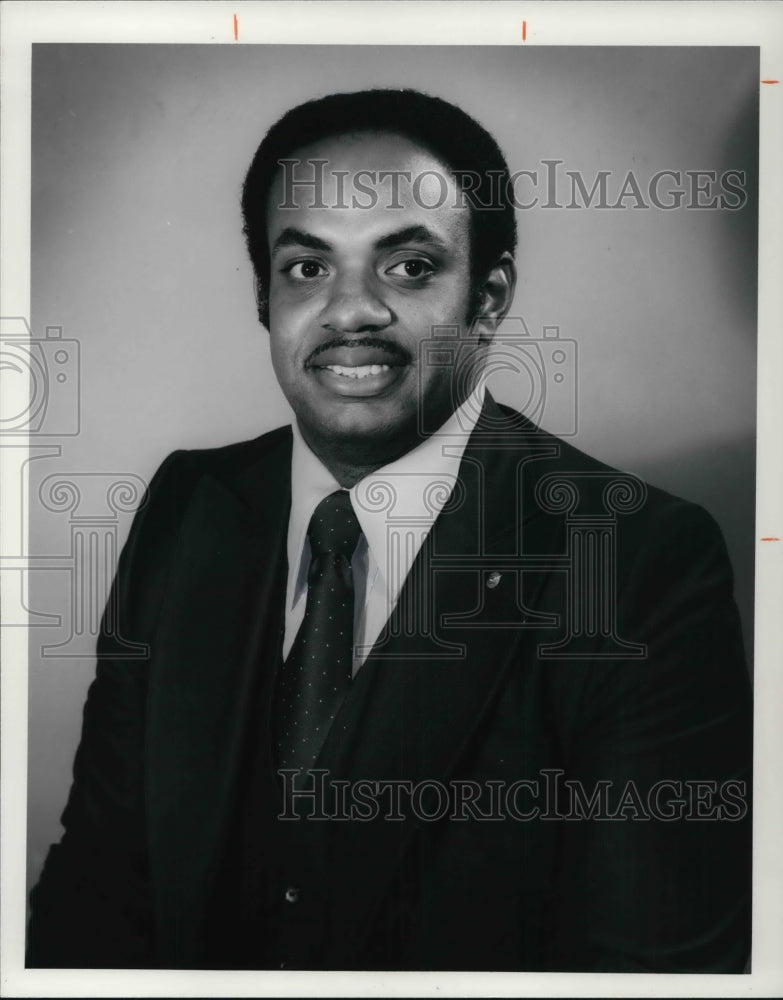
(292, 894)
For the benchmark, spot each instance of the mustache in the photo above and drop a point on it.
(389, 347)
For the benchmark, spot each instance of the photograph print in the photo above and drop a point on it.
(391, 507)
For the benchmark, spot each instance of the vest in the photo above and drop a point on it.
(271, 906)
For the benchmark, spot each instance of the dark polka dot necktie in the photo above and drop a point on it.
(317, 674)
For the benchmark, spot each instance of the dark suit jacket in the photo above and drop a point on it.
(499, 680)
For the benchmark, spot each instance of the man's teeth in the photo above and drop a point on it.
(361, 371)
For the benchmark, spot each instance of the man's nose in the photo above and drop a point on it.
(355, 305)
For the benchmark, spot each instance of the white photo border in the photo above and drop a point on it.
(418, 22)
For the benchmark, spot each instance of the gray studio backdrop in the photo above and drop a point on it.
(139, 270)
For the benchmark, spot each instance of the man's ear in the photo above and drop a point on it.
(494, 297)
(262, 301)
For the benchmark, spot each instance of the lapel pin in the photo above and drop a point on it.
(493, 579)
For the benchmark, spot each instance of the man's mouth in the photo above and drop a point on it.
(367, 366)
(357, 371)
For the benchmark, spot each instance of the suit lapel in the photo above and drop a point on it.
(467, 586)
(222, 619)
(420, 697)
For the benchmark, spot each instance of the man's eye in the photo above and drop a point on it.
(303, 270)
(413, 268)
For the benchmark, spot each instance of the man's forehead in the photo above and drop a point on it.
(366, 173)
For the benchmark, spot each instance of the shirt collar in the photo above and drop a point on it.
(396, 505)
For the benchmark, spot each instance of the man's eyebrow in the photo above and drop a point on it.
(291, 237)
(411, 234)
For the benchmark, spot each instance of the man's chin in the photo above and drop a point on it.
(362, 434)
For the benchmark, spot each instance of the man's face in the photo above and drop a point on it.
(354, 291)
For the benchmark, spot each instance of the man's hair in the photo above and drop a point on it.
(443, 129)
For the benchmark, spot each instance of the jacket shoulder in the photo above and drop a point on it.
(245, 469)
(180, 472)
(192, 463)
(636, 499)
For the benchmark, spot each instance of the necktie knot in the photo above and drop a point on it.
(334, 527)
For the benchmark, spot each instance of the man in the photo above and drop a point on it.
(427, 687)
